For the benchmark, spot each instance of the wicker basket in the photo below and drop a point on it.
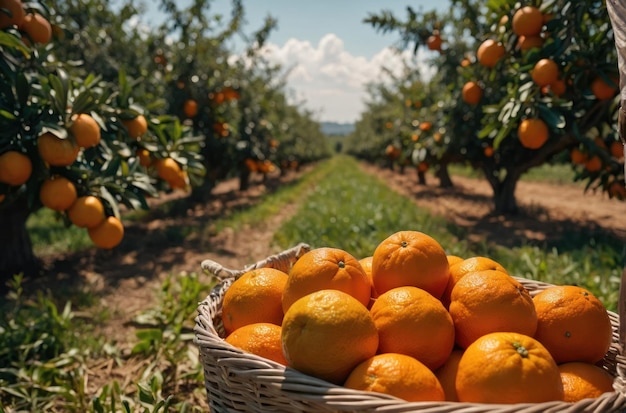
(240, 382)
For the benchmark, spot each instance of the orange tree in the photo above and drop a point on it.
(546, 89)
(70, 142)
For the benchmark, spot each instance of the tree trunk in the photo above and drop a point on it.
(244, 179)
(504, 197)
(16, 250)
(421, 177)
(444, 176)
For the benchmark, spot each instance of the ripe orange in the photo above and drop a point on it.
(398, 375)
(262, 339)
(86, 212)
(487, 301)
(472, 93)
(323, 268)
(411, 321)
(545, 72)
(573, 324)
(603, 90)
(616, 189)
(466, 266)
(16, 13)
(255, 297)
(190, 108)
(434, 41)
(107, 234)
(326, 334)
(527, 21)
(15, 168)
(557, 88)
(56, 151)
(507, 367)
(488, 151)
(392, 152)
(168, 169)
(584, 381)
(453, 259)
(144, 157)
(37, 28)
(593, 164)
(425, 126)
(366, 263)
(136, 127)
(617, 149)
(85, 130)
(446, 374)
(529, 42)
(490, 52)
(57, 193)
(577, 156)
(410, 258)
(532, 133)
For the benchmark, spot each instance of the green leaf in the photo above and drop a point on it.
(22, 89)
(553, 119)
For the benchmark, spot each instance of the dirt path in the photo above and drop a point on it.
(548, 211)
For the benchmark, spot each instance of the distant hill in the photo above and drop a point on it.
(335, 128)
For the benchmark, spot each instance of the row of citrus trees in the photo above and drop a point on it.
(517, 85)
(99, 113)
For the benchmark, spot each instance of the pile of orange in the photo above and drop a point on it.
(416, 323)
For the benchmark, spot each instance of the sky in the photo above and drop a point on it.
(330, 53)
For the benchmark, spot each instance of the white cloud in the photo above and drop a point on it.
(329, 80)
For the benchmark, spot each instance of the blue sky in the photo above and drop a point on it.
(332, 54)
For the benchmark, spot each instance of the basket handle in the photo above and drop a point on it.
(281, 261)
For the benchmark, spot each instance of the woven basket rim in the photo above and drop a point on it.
(297, 386)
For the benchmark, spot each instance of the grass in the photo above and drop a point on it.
(48, 350)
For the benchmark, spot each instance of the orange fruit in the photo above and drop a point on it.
(326, 268)
(190, 108)
(557, 88)
(617, 149)
(255, 297)
(168, 169)
(398, 375)
(392, 151)
(85, 130)
(490, 52)
(527, 21)
(410, 258)
(425, 126)
(465, 62)
(446, 374)
(466, 266)
(584, 381)
(107, 234)
(15, 14)
(144, 157)
(411, 321)
(326, 334)
(434, 41)
(506, 367)
(15, 168)
(366, 263)
(472, 93)
(616, 189)
(602, 90)
(545, 72)
(593, 164)
(573, 324)
(136, 127)
(86, 212)
(529, 42)
(453, 259)
(487, 301)
(488, 151)
(56, 151)
(262, 339)
(37, 28)
(57, 193)
(577, 156)
(532, 133)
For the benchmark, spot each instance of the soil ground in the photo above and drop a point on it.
(126, 279)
